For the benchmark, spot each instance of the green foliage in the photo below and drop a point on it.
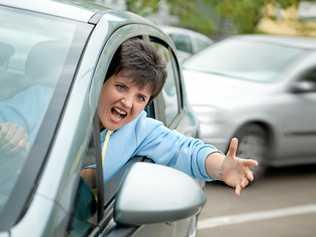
(192, 15)
(142, 7)
(287, 3)
(204, 15)
(244, 14)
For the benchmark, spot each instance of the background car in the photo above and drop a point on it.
(59, 53)
(187, 42)
(261, 89)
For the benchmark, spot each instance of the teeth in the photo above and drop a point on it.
(120, 111)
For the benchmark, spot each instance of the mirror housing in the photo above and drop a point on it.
(154, 193)
(299, 87)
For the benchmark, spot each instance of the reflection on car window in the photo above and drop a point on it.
(31, 61)
(250, 60)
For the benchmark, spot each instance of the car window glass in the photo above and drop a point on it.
(169, 91)
(234, 58)
(32, 59)
(182, 42)
(84, 213)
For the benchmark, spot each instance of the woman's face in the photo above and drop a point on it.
(121, 101)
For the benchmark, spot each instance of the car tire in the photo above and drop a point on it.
(253, 143)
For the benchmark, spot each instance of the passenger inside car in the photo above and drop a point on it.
(23, 104)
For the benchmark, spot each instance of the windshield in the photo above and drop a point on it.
(242, 59)
(34, 50)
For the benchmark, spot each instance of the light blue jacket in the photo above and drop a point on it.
(26, 109)
(150, 138)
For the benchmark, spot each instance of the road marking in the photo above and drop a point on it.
(255, 216)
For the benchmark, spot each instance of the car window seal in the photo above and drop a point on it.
(96, 17)
(99, 168)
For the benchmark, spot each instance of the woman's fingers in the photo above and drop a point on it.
(248, 162)
(249, 174)
(238, 189)
(233, 146)
(244, 183)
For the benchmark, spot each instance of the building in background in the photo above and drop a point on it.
(291, 21)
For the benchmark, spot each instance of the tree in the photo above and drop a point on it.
(142, 7)
(207, 16)
(194, 14)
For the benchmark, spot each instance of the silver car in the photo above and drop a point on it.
(53, 60)
(261, 89)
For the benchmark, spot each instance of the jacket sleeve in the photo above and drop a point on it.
(171, 148)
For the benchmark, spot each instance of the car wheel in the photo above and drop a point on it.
(253, 143)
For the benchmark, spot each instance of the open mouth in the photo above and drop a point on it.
(118, 114)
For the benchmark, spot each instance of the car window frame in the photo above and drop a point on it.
(160, 101)
(180, 88)
(113, 42)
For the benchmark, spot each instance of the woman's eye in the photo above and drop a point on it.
(141, 98)
(120, 87)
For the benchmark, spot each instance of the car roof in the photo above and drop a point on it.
(290, 41)
(64, 9)
(78, 10)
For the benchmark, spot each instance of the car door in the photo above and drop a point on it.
(299, 128)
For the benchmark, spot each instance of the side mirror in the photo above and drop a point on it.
(154, 193)
(299, 87)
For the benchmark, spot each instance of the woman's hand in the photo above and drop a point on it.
(236, 172)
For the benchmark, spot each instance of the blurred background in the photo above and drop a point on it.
(260, 88)
(220, 18)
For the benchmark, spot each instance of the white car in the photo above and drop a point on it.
(261, 89)
(187, 42)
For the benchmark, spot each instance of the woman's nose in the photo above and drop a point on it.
(127, 101)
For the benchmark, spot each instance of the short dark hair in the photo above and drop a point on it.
(140, 60)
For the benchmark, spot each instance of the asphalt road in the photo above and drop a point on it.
(283, 203)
